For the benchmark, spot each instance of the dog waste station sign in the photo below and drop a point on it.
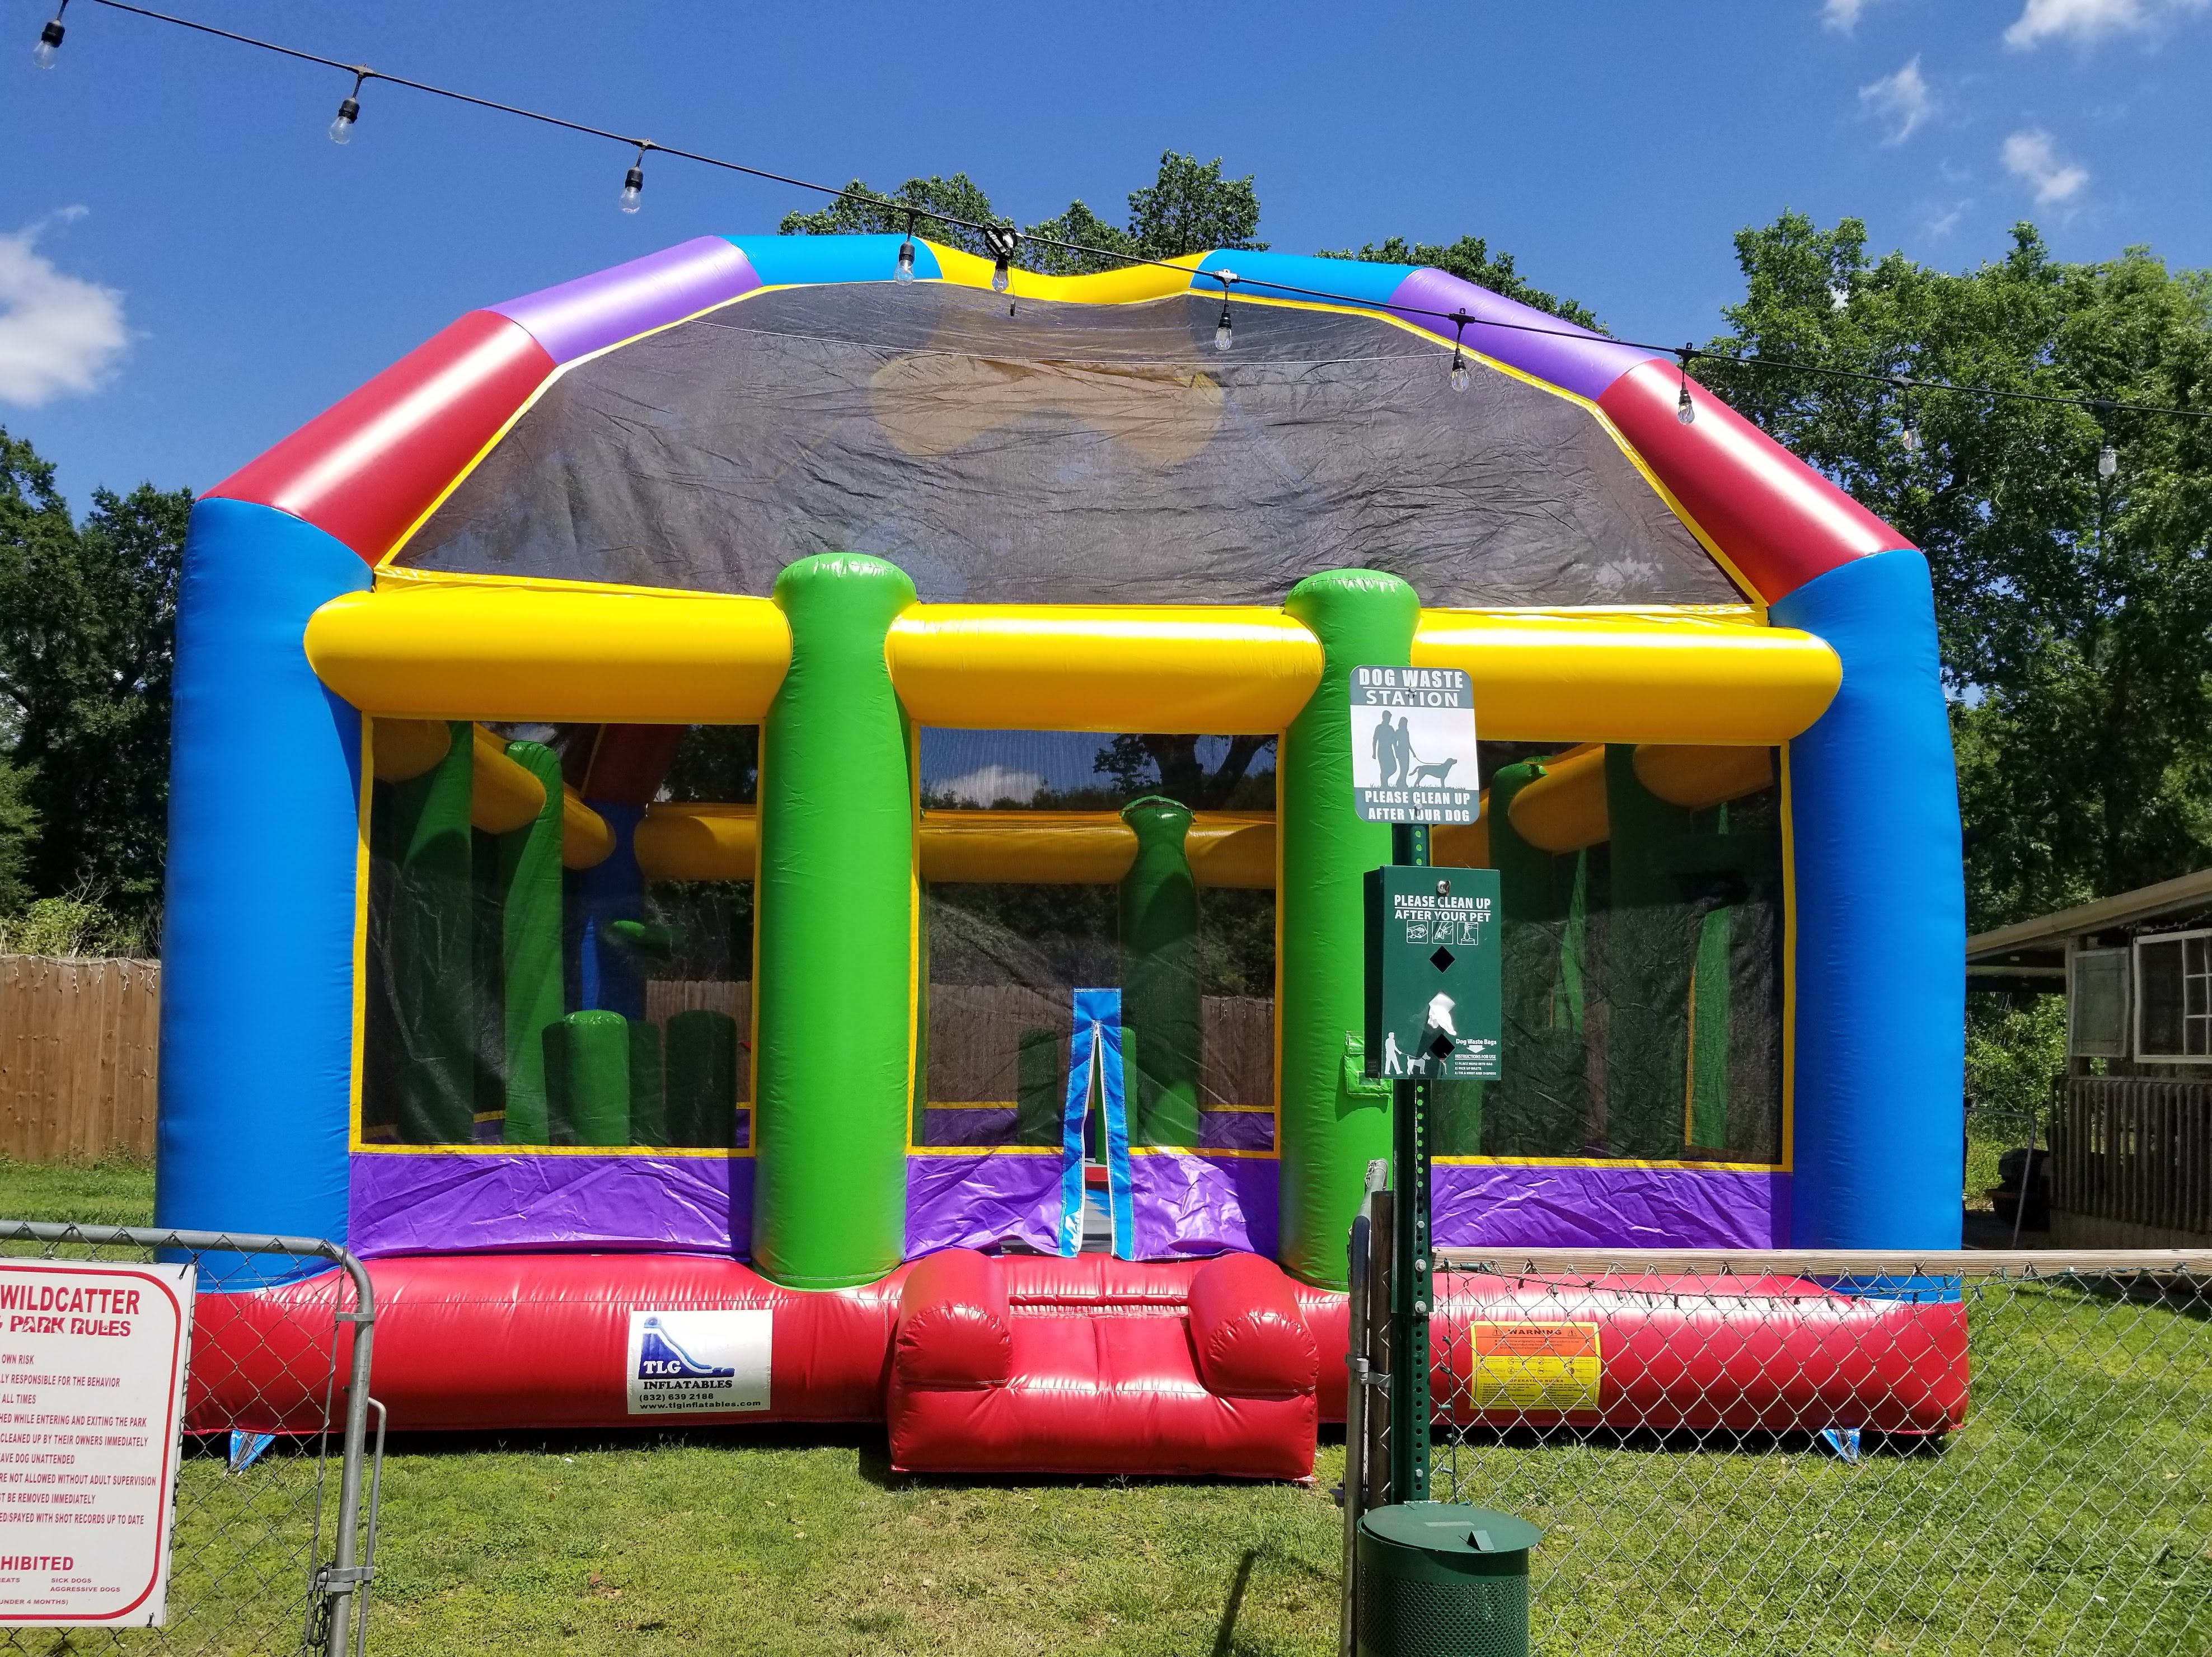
(1412, 745)
(92, 1384)
(1432, 995)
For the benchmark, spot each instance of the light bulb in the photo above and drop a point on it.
(1683, 410)
(1910, 438)
(632, 190)
(2108, 462)
(906, 259)
(1221, 330)
(1001, 278)
(1459, 374)
(48, 52)
(342, 128)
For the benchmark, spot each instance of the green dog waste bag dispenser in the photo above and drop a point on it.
(1437, 1579)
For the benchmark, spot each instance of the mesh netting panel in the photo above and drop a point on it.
(1062, 453)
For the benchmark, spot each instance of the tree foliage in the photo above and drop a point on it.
(1188, 208)
(88, 621)
(1470, 258)
(2073, 613)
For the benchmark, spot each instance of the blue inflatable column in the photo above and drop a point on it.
(1880, 912)
(612, 889)
(257, 937)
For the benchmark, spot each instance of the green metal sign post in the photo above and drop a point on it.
(1432, 1001)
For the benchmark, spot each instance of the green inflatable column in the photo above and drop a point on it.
(835, 890)
(529, 888)
(1542, 1105)
(587, 1066)
(433, 935)
(1159, 924)
(702, 1085)
(648, 1115)
(1328, 1135)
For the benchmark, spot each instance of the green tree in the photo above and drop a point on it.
(19, 829)
(2074, 611)
(1470, 258)
(1188, 208)
(87, 623)
(958, 197)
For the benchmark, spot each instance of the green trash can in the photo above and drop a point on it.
(1437, 1580)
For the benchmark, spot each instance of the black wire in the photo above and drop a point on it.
(362, 72)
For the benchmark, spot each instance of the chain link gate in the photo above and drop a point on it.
(1801, 1452)
(272, 1548)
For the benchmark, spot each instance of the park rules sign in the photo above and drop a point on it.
(91, 1387)
(1413, 746)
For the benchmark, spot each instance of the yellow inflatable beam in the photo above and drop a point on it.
(1224, 670)
(504, 652)
(502, 795)
(721, 842)
(473, 651)
(1569, 677)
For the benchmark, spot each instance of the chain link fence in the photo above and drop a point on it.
(274, 1532)
(2001, 1452)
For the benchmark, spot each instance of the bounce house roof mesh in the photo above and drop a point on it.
(1059, 453)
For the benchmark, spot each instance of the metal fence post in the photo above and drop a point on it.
(1410, 1297)
(1359, 1376)
(344, 1576)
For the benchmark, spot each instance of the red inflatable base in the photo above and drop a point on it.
(1095, 1365)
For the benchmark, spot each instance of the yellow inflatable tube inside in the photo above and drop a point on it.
(502, 795)
(721, 842)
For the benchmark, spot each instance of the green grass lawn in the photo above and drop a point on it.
(2073, 1513)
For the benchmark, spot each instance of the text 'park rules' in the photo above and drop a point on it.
(1413, 746)
(92, 1384)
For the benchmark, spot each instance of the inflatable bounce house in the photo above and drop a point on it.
(768, 834)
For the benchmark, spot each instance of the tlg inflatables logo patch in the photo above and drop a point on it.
(693, 1361)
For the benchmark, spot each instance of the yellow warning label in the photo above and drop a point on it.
(1536, 1366)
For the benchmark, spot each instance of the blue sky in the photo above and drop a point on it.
(189, 268)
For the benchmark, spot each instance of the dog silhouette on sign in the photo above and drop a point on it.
(1435, 773)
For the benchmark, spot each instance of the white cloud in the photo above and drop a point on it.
(2083, 21)
(1843, 16)
(2032, 156)
(59, 334)
(1939, 225)
(1901, 100)
(989, 785)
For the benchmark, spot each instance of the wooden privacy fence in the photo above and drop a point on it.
(78, 1044)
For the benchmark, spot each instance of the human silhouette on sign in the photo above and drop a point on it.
(1394, 1061)
(1384, 746)
(1402, 747)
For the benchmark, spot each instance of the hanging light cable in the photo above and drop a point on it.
(633, 190)
(1221, 329)
(1459, 374)
(48, 52)
(348, 110)
(906, 251)
(1684, 411)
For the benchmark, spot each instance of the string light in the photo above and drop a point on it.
(48, 52)
(1459, 374)
(348, 110)
(1911, 435)
(906, 253)
(633, 190)
(1003, 240)
(1221, 329)
(2108, 463)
